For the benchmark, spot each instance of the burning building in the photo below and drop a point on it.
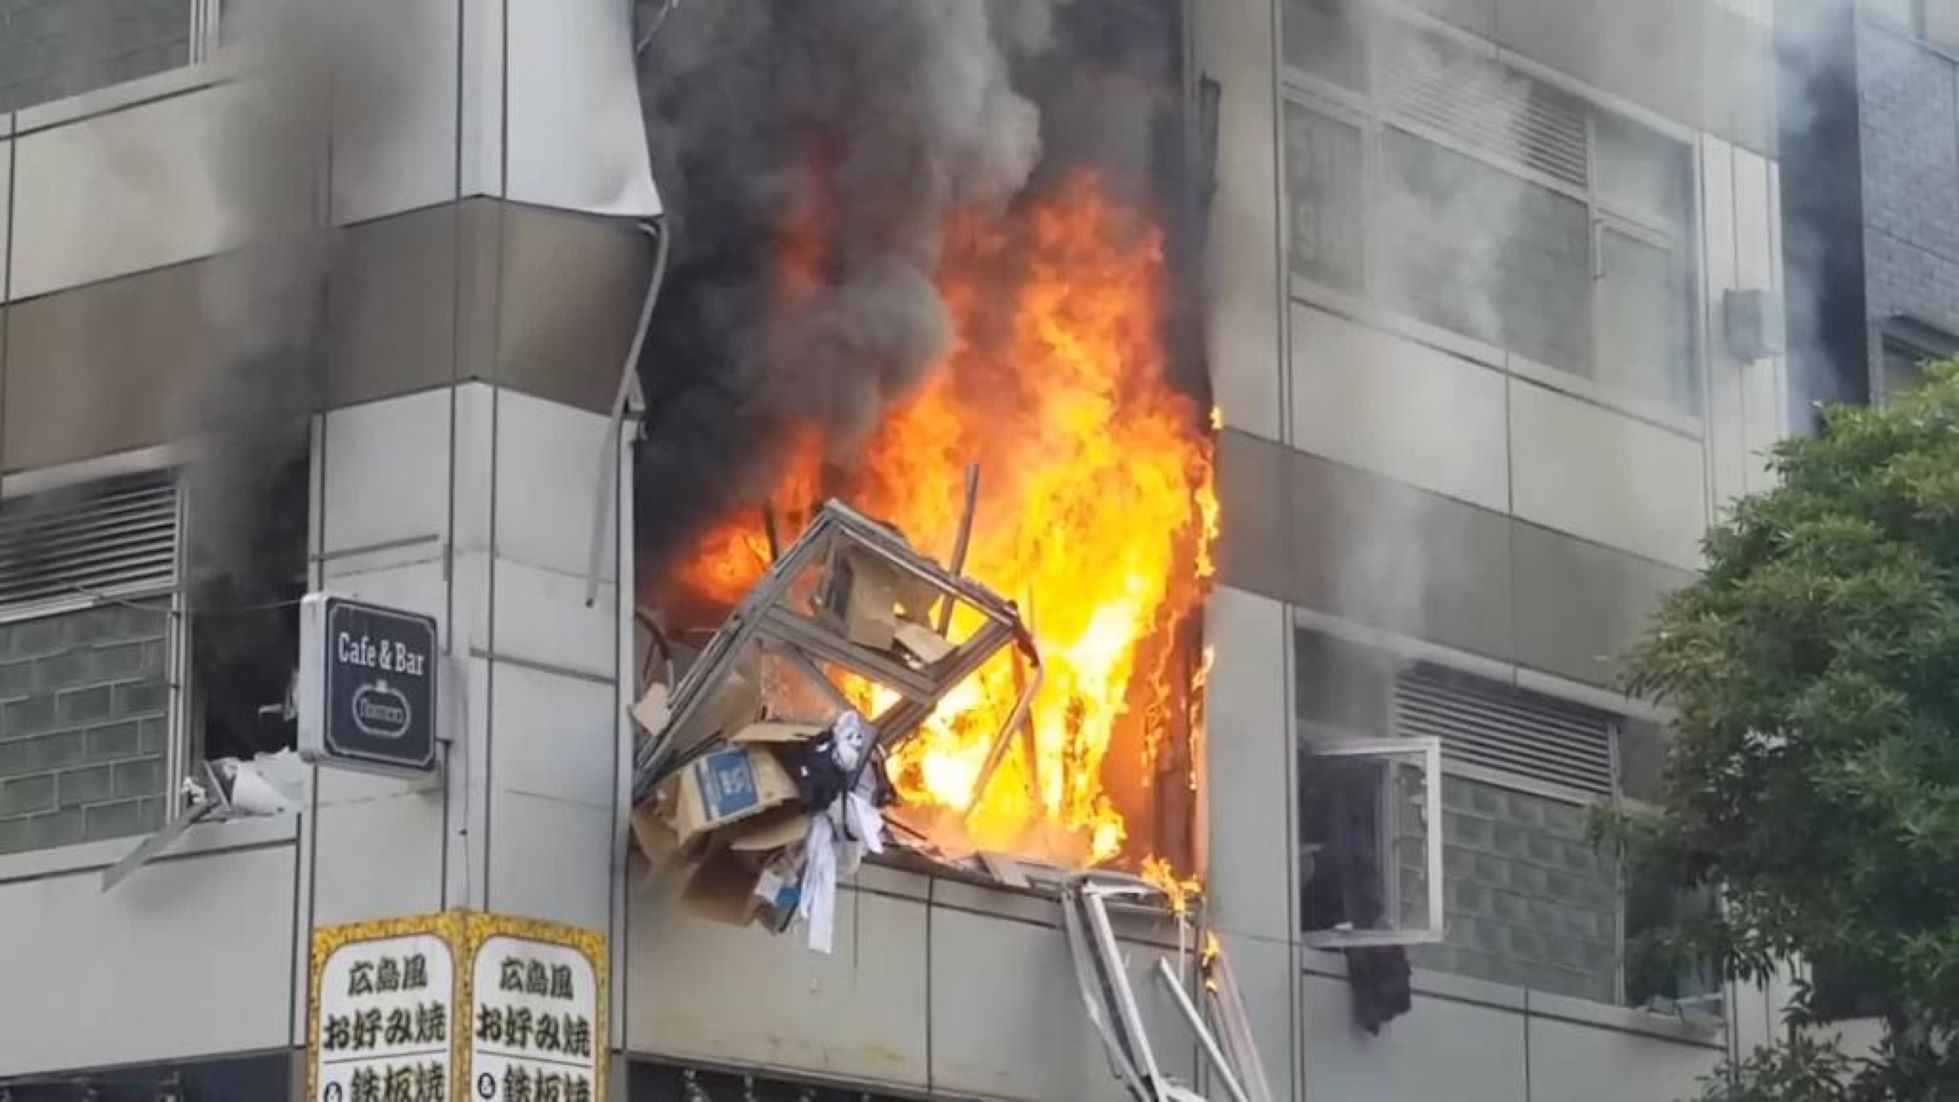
(1254, 424)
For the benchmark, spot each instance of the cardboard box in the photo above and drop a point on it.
(729, 706)
(736, 889)
(653, 832)
(862, 599)
(922, 643)
(726, 786)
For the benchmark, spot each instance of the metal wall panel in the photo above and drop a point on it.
(188, 957)
(119, 193)
(1248, 752)
(387, 475)
(1441, 1049)
(1599, 474)
(1571, 1061)
(575, 137)
(722, 995)
(1007, 1016)
(394, 113)
(547, 467)
(1579, 604)
(1397, 408)
(1234, 46)
(95, 370)
(1391, 556)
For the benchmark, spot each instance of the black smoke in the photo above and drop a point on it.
(875, 119)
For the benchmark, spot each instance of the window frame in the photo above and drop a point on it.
(1395, 750)
(177, 752)
(1365, 109)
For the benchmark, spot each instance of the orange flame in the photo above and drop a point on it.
(1096, 513)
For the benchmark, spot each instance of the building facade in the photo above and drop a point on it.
(1471, 265)
(1873, 256)
(1474, 265)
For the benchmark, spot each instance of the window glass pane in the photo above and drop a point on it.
(49, 51)
(1486, 254)
(1641, 174)
(1323, 188)
(1529, 901)
(83, 758)
(1327, 38)
(1645, 341)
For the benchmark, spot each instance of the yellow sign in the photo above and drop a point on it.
(457, 1007)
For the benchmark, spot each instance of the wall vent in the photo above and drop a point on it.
(1494, 726)
(1486, 106)
(116, 539)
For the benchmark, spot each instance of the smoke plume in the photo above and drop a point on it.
(809, 154)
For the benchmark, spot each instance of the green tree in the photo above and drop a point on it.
(1813, 777)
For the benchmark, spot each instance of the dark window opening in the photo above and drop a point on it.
(244, 621)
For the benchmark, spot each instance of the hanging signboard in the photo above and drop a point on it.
(453, 1006)
(381, 1011)
(366, 686)
(536, 994)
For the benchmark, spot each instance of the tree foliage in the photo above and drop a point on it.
(1814, 771)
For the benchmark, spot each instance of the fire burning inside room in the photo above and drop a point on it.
(1034, 373)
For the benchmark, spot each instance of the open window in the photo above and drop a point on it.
(1371, 842)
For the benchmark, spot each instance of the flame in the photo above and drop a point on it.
(1096, 513)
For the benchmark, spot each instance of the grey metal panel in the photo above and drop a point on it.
(1558, 33)
(94, 370)
(720, 994)
(1650, 52)
(1394, 557)
(401, 444)
(1007, 1016)
(1253, 514)
(393, 306)
(575, 134)
(1442, 1050)
(569, 297)
(377, 857)
(549, 859)
(1578, 604)
(1246, 755)
(1570, 1061)
(118, 965)
(1476, 16)
(1739, 79)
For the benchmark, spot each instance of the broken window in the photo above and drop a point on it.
(246, 582)
(88, 643)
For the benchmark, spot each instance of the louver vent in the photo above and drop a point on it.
(113, 539)
(1489, 107)
(1490, 725)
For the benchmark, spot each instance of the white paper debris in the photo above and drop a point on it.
(840, 835)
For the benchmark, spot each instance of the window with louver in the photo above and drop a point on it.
(1434, 84)
(113, 539)
(1495, 727)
